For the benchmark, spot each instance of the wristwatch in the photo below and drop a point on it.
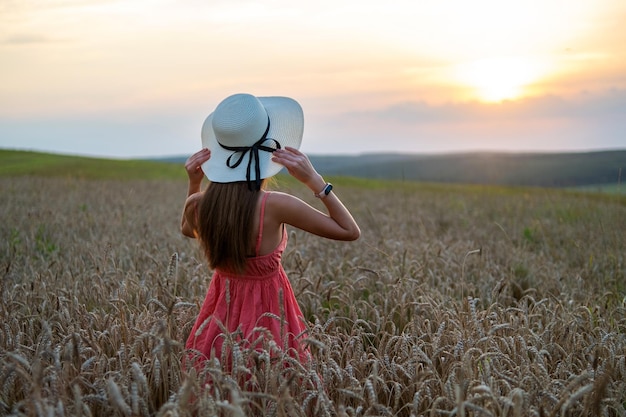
(325, 191)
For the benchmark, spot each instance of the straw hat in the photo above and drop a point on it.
(242, 133)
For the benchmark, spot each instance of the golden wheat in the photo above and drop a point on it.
(456, 301)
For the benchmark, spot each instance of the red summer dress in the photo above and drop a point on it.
(248, 306)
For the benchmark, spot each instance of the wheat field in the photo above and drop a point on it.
(456, 301)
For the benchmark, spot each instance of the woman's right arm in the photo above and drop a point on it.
(337, 224)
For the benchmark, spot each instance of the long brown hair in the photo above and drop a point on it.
(225, 224)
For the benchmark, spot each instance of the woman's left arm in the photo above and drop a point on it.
(193, 165)
(189, 221)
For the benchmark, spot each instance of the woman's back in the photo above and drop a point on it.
(269, 231)
(243, 303)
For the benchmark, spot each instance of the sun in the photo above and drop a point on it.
(498, 79)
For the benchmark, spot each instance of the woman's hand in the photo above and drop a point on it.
(193, 166)
(299, 167)
(194, 163)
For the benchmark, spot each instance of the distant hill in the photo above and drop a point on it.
(529, 169)
(588, 169)
(526, 169)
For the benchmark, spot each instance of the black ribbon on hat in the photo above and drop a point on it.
(253, 154)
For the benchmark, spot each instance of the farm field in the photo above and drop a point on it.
(457, 300)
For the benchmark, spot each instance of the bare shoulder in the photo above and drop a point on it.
(192, 203)
(278, 197)
(280, 206)
(278, 201)
(189, 226)
(195, 197)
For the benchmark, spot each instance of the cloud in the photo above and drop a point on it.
(548, 123)
(584, 105)
(25, 39)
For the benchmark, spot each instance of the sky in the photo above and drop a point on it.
(136, 78)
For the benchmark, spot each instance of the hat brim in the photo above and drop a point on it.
(286, 127)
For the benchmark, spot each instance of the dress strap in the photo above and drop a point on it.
(261, 217)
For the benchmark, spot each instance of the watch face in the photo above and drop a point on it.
(328, 189)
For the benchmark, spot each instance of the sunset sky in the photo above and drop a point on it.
(135, 78)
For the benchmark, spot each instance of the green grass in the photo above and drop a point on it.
(25, 163)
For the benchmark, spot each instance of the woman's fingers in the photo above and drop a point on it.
(195, 161)
(198, 158)
(287, 158)
(202, 156)
(293, 150)
(289, 155)
(296, 162)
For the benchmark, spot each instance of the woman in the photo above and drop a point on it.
(241, 226)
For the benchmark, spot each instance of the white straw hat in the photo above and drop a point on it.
(242, 133)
